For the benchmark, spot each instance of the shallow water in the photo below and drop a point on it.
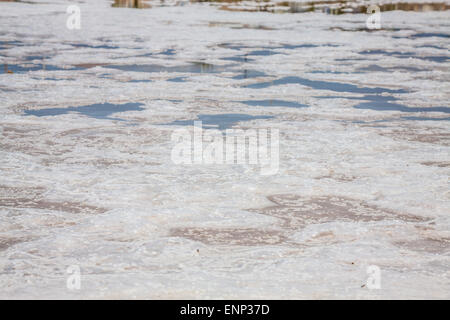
(264, 53)
(431, 35)
(16, 68)
(273, 103)
(219, 121)
(377, 68)
(242, 58)
(384, 103)
(36, 57)
(139, 81)
(177, 79)
(168, 52)
(407, 55)
(196, 67)
(97, 110)
(249, 74)
(92, 46)
(324, 85)
(363, 153)
(426, 119)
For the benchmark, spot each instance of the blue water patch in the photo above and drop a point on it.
(140, 55)
(400, 119)
(388, 53)
(273, 103)
(219, 121)
(36, 57)
(406, 55)
(324, 85)
(91, 46)
(237, 46)
(240, 58)
(350, 59)
(97, 110)
(377, 68)
(263, 53)
(170, 100)
(439, 59)
(388, 106)
(168, 52)
(139, 81)
(10, 43)
(139, 68)
(53, 79)
(329, 72)
(305, 46)
(432, 46)
(385, 103)
(430, 35)
(248, 74)
(426, 119)
(177, 79)
(366, 98)
(15, 68)
(286, 46)
(196, 67)
(297, 46)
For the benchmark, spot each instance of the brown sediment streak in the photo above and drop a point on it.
(435, 245)
(31, 198)
(436, 164)
(7, 242)
(296, 212)
(70, 207)
(231, 236)
(441, 138)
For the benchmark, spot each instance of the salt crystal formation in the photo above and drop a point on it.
(87, 179)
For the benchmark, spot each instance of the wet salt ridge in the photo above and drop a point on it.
(86, 125)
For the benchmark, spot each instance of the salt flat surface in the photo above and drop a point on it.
(362, 180)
